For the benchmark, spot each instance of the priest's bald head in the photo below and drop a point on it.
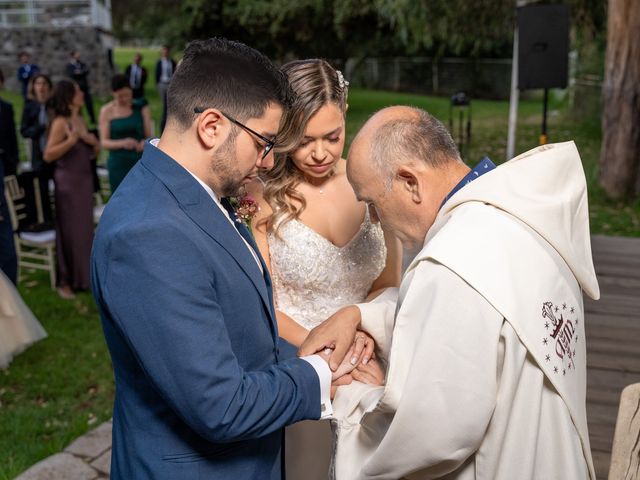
(403, 163)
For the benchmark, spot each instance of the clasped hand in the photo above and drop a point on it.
(349, 351)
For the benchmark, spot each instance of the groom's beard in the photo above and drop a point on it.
(224, 165)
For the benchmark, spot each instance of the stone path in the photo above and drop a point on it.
(86, 458)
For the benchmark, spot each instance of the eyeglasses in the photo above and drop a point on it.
(268, 143)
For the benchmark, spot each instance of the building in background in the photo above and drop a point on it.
(50, 29)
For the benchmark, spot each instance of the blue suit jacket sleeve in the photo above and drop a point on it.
(163, 300)
(287, 350)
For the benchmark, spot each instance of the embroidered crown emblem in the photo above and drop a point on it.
(564, 332)
(547, 312)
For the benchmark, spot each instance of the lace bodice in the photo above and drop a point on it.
(312, 278)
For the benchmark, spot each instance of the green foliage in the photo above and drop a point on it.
(452, 27)
(340, 29)
(280, 28)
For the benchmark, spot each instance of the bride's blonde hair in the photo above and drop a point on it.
(315, 84)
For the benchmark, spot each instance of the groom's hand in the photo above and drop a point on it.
(337, 333)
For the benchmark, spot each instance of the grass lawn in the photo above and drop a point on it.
(63, 386)
(58, 389)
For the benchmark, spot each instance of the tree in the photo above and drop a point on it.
(620, 156)
(338, 29)
(482, 28)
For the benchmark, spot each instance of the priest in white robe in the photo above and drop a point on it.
(484, 340)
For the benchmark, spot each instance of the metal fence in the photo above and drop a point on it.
(56, 13)
(479, 78)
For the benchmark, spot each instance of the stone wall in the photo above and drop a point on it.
(50, 47)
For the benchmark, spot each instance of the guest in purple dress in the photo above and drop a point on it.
(72, 147)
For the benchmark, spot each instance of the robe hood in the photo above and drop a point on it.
(546, 189)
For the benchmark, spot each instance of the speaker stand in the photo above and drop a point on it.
(543, 135)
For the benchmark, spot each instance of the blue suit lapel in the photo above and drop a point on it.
(199, 206)
(246, 234)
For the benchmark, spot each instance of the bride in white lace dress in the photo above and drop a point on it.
(322, 246)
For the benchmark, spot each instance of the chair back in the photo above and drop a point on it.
(15, 198)
(625, 454)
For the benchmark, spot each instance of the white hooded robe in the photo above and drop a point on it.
(484, 339)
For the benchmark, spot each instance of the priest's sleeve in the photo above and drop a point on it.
(442, 378)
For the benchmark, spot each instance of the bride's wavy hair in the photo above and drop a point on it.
(315, 84)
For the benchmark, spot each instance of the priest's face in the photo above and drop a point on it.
(388, 199)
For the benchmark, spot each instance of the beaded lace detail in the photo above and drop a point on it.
(313, 278)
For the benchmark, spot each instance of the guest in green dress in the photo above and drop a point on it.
(124, 124)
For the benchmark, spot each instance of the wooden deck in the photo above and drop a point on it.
(613, 339)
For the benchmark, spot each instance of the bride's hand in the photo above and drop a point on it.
(363, 346)
(371, 373)
(345, 367)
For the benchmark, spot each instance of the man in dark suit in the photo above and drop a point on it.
(204, 384)
(78, 71)
(8, 164)
(137, 76)
(26, 70)
(165, 66)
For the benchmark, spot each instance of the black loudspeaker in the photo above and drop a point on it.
(543, 46)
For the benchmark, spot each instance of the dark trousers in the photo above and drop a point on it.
(44, 175)
(8, 259)
(162, 91)
(88, 102)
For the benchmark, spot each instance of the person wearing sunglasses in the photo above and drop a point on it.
(204, 384)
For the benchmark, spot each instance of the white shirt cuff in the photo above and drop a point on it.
(324, 375)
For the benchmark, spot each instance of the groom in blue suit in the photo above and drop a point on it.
(204, 385)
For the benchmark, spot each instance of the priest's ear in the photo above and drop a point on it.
(410, 182)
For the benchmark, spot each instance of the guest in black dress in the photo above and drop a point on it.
(72, 148)
(34, 126)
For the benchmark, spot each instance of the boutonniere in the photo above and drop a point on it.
(246, 208)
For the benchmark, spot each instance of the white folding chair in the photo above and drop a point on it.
(34, 249)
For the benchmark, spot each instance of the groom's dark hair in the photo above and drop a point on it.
(228, 75)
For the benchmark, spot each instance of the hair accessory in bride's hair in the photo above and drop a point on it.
(341, 81)
(246, 208)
